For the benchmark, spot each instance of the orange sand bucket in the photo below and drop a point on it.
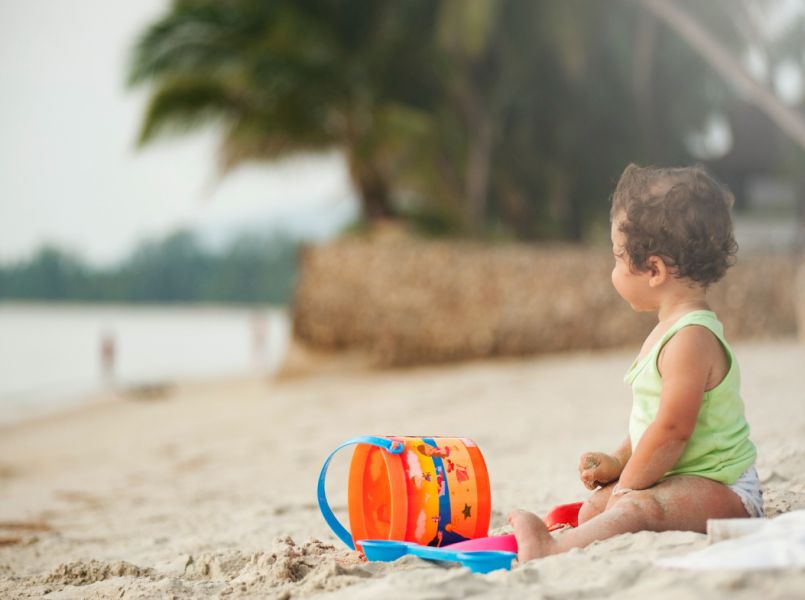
(432, 491)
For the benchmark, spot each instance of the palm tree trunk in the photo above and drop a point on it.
(642, 68)
(478, 168)
(703, 42)
(373, 190)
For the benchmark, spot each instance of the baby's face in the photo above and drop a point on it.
(630, 284)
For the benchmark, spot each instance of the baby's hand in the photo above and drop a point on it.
(597, 468)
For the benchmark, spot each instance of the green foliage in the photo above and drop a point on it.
(283, 76)
(463, 115)
(251, 269)
(50, 274)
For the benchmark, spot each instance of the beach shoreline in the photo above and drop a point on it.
(209, 489)
(59, 354)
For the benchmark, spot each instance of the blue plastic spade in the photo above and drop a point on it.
(476, 561)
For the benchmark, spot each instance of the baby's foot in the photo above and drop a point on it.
(531, 533)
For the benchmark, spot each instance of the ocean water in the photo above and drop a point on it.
(51, 355)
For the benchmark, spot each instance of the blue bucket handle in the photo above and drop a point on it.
(390, 446)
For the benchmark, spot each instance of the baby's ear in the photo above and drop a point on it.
(658, 271)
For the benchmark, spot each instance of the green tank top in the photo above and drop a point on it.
(719, 447)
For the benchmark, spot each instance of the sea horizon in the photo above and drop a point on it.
(55, 354)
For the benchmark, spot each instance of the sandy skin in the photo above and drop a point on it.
(665, 506)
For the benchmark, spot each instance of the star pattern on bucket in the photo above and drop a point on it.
(467, 511)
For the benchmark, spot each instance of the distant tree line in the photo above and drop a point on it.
(177, 268)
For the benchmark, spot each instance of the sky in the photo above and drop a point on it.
(70, 173)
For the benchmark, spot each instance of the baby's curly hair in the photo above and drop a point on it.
(679, 214)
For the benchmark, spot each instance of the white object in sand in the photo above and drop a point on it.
(777, 543)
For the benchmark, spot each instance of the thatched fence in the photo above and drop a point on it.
(411, 301)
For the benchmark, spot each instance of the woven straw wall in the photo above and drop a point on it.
(410, 301)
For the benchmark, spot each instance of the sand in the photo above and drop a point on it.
(209, 491)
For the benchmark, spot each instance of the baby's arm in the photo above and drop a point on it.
(685, 368)
(598, 468)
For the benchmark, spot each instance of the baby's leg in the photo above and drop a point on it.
(678, 503)
(596, 503)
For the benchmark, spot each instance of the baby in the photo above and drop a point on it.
(687, 457)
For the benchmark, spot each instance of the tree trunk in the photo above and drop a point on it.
(726, 65)
(373, 190)
(642, 68)
(799, 241)
(478, 168)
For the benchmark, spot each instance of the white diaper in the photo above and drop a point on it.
(748, 489)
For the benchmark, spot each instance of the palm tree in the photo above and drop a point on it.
(287, 76)
(715, 53)
(511, 112)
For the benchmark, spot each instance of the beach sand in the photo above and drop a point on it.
(209, 491)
